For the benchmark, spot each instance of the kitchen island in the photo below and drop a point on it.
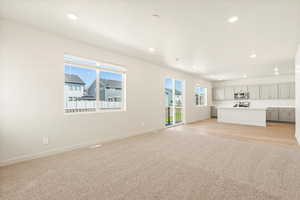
(241, 115)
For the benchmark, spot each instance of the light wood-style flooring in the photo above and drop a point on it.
(275, 133)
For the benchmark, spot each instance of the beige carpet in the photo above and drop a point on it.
(176, 164)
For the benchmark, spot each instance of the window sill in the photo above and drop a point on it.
(95, 112)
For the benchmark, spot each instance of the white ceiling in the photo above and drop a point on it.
(194, 31)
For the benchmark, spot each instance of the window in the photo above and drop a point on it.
(201, 96)
(110, 90)
(91, 86)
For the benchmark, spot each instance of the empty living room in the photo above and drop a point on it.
(149, 100)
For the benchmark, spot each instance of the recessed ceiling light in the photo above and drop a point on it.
(151, 50)
(156, 15)
(72, 16)
(276, 69)
(233, 19)
(276, 73)
(253, 55)
(245, 76)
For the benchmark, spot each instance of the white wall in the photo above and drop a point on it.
(32, 96)
(257, 81)
(297, 72)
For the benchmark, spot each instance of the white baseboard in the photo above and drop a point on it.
(43, 154)
(50, 152)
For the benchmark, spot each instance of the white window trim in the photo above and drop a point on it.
(98, 70)
(99, 64)
(95, 112)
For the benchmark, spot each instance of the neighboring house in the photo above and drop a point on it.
(110, 90)
(75, 95)
(78, 96)
(168, 97)
(74, 88)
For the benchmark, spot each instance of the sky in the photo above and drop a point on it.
(200, 90)
(179, 86)
(169, 84)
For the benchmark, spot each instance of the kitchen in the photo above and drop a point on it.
(255, 101)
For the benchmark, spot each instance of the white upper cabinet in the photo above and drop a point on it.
(269, 91)
(219, 94)
(229, 93)
(264, 92)
(292, 90)
(286, 90)
(283, 90)
(253, 92)
(239, 89)
(273, 91)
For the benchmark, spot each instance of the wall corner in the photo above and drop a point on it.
(297, 80)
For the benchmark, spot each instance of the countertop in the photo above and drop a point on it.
(242, 108)
(281, 107)
(254, 107)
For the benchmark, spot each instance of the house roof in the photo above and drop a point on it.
(111, 83)
(104, 84)
(72, 78)
(168, 90)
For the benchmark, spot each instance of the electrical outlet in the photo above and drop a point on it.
(45, 140)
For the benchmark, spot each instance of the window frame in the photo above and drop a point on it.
(98, 69)
(205, 96)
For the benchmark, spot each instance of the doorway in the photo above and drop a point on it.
(174, 101)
